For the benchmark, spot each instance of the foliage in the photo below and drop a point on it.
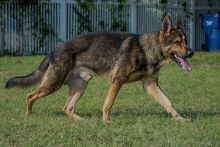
(84, 9)
(83, 18)
(163, 2)
(41, 28)
(118, 24)
(185, 6)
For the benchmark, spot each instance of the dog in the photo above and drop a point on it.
(123, 57)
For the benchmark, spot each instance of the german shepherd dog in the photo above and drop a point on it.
(124, 57)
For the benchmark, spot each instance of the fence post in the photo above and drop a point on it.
(63, 19)
(133, 18)
(192, 25)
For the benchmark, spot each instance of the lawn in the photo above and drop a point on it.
(137, 120)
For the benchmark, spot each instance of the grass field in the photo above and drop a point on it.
(137, 120)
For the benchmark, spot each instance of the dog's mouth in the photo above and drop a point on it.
(182, 62)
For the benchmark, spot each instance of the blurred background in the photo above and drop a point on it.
(30, 27)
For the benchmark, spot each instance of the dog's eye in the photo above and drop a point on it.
(178, 42)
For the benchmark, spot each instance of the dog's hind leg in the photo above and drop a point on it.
(77, 85)
(32, 97)
(52, 81)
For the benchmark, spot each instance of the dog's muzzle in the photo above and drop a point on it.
(189, 53)
(181, 61)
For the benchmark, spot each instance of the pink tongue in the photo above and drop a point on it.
(184, 64)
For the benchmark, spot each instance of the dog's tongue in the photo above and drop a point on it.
(185, 65)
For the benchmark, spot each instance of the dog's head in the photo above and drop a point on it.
(174, 43)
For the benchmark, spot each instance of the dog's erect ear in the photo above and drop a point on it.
(178, 23)
(166, 25)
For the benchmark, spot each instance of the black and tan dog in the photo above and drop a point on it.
(124, 57)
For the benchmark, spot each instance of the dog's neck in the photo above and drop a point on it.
(152, 47)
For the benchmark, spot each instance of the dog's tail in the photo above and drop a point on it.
(34, 77)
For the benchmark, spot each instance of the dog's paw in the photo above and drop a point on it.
(182, 119)
(107, 121)
(73, 115)
(28, 113)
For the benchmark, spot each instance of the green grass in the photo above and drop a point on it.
(137, 120)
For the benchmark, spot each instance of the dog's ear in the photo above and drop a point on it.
(178, 23)
(166, 25)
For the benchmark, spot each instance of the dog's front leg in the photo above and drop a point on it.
(153, 90)
(109, 101)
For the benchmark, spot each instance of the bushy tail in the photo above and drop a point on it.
(34, 77)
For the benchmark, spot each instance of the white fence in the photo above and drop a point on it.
(38, 29)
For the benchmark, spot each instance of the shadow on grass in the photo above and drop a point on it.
(200, 113)
(134, 112)
(91, 114)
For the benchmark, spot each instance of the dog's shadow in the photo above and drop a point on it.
(134, 112)
(161, 113)
(200, 113)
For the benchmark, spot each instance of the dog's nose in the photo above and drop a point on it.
(189, 53)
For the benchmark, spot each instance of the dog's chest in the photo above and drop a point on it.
(133, 70)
